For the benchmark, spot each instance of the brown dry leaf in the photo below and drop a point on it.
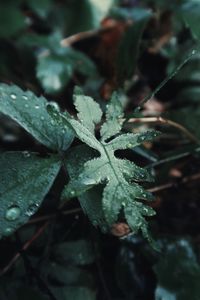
(120, 229)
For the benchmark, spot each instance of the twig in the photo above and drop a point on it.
(24, 248)
(171, 184)
(85, 35)
(42, 284)
(52, 216)
(165, 81)
(161, 120)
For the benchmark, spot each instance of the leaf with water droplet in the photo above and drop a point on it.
(120, 191)
(26, 185)
(30, 112)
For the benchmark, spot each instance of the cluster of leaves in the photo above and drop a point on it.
(55, 130)
(48, 47)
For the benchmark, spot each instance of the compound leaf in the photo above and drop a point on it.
(118, 193)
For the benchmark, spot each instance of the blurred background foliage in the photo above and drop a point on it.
(49, 46)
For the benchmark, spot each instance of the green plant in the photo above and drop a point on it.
(30, 177)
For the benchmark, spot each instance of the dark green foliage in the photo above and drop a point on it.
(76, 181)
(118, 176)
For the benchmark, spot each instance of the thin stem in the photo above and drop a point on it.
(161, 120)
(24, 248)
(160, 86)
(171, 184)
(52, 216)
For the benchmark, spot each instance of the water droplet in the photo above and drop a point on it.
(7, 231)
(53, 122)
(25, 97)
(13, 96)
(53, 106)
(123, 204)
(129, 145)
(63, 131)
(37, 106)
(42, 118)
(89, 181)
(31, 209)
(26, 154)
(13, 213)
(144, 195)
(141, 138)
(26, 105)
(72, 193)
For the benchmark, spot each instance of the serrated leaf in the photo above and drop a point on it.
(30, 112)
(89, 112)
(131, 140)
(25, 179)
(118, 191)
(91, 199)
(114, 115)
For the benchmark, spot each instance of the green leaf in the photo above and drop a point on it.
(30, 112)
(76, 293)
(191, 13)
(91, 199)
(25, 179)
(129, 50)
(53, 72)
(78, 252)
(41, 8)
(108, 169)
(178, 272)
(135, 14)
(91, 13)
(68, 275)
(114, 115)
(90, 112)
(12, 20)
(55, 69)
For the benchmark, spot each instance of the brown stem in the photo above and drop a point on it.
(24, 248)
(85, 35)
(161, 120)
(171, 184)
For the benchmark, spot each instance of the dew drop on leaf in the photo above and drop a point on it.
(13, 213)
(25, 97)
(37, 106)
(130, 145)
(26, 154)
(13, 96)
(52, 106)
(31, 209)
